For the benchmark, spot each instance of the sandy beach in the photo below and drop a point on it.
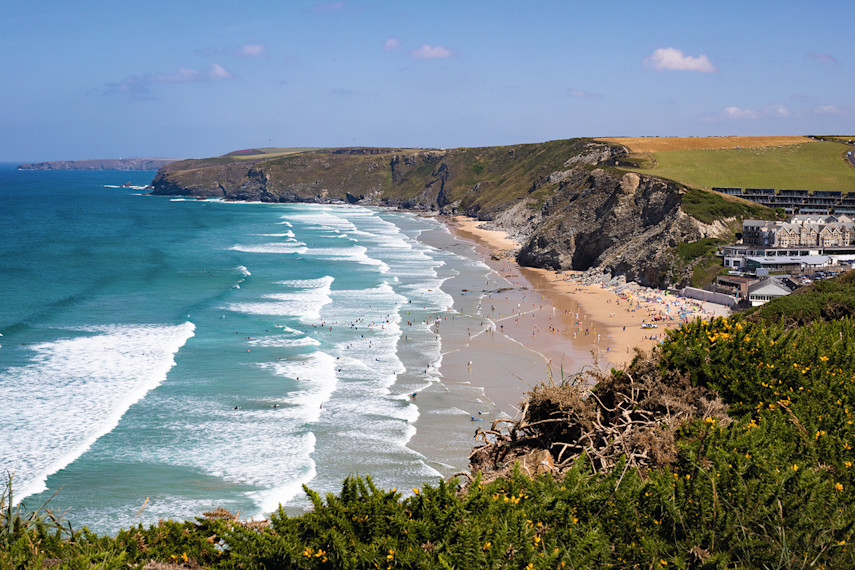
(571, 324)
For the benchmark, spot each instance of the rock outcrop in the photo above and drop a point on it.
(621, 224)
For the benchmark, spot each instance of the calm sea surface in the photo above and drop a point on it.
(202, 353)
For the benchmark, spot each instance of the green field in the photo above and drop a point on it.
(268, 152)
(808, 166)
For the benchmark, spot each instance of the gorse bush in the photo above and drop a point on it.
(769, 486)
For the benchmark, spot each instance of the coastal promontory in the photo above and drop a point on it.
(568, 202)
(99, 164)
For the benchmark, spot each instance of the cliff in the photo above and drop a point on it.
(564, 200)
(99, 164)
(620, 224)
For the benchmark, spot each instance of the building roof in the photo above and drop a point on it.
(757, 223)
(768, 286)
(790, 260)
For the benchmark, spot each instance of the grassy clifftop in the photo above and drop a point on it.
(745, 162)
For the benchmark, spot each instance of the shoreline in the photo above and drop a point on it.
(572, 325)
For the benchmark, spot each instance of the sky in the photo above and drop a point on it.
(178, 79)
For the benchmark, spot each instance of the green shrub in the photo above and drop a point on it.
(708, 206)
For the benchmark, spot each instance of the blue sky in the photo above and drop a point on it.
(98, 79)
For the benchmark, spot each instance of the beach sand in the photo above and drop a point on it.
(516, 329)
(572, 325)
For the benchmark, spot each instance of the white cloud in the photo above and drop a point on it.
(186, 75)
(252, 50)
(829, 110)
(779, 110)
(431, 52)
(217, 71)
(737, 113)
(675, 60)
(392, 44)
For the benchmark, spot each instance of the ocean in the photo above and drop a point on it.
(162, 357)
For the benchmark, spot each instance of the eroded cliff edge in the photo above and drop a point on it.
(564, 200)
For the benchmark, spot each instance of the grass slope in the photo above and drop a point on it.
(818, 165)
(642, 145)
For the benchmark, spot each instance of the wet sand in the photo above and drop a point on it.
(524, 338)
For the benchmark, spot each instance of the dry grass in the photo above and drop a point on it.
(641, 145)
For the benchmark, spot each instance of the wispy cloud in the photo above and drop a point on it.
(431, 52)
(829, 110)
(673, 59)
(392, 44)
(739, 113)
(217, 71)
(816, 56)
(186, 75)
(252, 50)
(778, 111)
(140, 85)
(326, 7)
(582, 94)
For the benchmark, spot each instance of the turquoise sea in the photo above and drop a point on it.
(165, 356)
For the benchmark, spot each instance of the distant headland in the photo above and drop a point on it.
(99, 164)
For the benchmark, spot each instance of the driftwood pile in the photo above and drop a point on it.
(632, 413)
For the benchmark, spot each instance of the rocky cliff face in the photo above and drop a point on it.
(561, 199)
(621, 224)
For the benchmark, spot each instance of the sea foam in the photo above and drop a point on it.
(75, 390)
